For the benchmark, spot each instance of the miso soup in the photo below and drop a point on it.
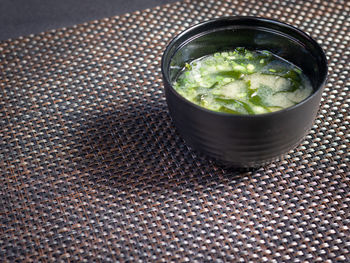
(243, 82)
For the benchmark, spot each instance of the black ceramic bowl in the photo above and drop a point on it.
(244, 140)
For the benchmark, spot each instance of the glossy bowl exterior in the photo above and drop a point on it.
(243, 140)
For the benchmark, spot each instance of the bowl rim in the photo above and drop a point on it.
(307, 37)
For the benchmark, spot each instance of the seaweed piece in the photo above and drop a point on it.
(235, 102)
(214, 85)
(295, 80)
(235, 74)
(256, 99)
(200, 99)
(228, 110)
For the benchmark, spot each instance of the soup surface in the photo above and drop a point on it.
(243, 82)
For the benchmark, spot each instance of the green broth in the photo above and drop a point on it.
(243, 82)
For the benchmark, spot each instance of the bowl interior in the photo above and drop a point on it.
(251, 33)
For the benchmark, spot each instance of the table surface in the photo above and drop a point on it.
(93, 169)
(24, 17)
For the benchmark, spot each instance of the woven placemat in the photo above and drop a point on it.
(92, 168)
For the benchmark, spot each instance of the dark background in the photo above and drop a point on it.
(24, 17)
